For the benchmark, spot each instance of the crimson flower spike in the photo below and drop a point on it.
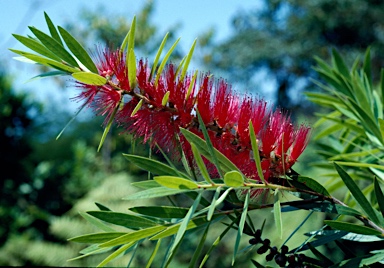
(159, 106)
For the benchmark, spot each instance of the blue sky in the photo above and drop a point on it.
(194, 16)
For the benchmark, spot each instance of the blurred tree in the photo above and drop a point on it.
(282, 37)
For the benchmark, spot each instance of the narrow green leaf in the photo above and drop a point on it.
(164, 61)
(36, 46)
(133, 236)
(47, 74)
(225, 164)
(115, 254)
(96, 238)
(379, 196)
(233, 179)
(131, 65)
(96, 222)
(161, 211)
(70, 121)
(108, 127)
(214, 203)
(102, 207)
(210, 147)
(147, 184)
(191, 85)
(357, 194)
(358, 164)
(255, 150)
(153, 255)
(175, 182)
(47, 62)
(157, 57)
(350, 227)
(314, 185)
(215, 244)
(199, 248)
(200, 164)
(241, 226)
(54, 46)
(367, 65)
(326, 262)
(122, 219)
(137, 107)
(323, 207)
(256, 264)
(91, 250)
(188, 60)
(90, 78)
(277, 215)
(52, 29)
(78, 50)
(154, 192)
(185, 222)
(165, 99)
(131, 38)
(153, 166)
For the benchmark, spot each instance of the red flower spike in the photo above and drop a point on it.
(225, 115)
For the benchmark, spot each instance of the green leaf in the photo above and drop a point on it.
(323, 207)
(52, 29)
(357, 194)
(78, 50)
(233, 179)
(154, 192)
(214, 203)
(131, 62)
(277, 215)
(255, 150)
(200, 164)
(215, 244)
(131, 38)
(157, 57)
(175, 182)
(115, 254)
(90, 78)
(225, 164)
(379, 196)
(102, 207)
(161, 211)
(199, 248)
(96, 238)
(96, 222)
(122, 219)
(314, 185)
(153, 166)
(70, 121)
(36, 46)
(350, 227)
(147, 184)
(153, 255)
(108, 127)
(191, 84)
(188, 60)
(326, 262)
(47, 74)
(133, 236)
(184, 224)
(164, 61)
(47, 62)
(165, 99)
(241, 226)
(54, 46)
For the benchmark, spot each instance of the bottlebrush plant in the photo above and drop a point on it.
(237, 155)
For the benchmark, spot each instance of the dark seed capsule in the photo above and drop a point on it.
(269, 257)
(262, 249)
(273, 250)
(291, 259)
(257, 234)
(266, 242)
(284, 249)
(280, 259)
(254, 241)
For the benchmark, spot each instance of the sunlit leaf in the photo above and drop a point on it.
(255, 150)
(115, 254)
(96, 238)
(52, 29)
(131, 69)
(90, 78)
(187, 61)
(36, 46)
(133, 236)
(200, 163)
(158, 54)
(164, 61)
(233, 179)
(175, 182)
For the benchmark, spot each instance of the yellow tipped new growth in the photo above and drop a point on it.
(165, 99)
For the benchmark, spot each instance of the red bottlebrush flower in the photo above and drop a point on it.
(226, 116)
